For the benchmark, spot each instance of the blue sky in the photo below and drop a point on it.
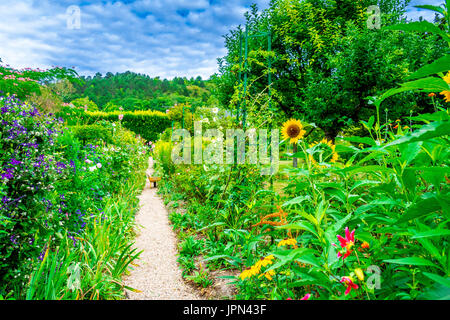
(165, 38)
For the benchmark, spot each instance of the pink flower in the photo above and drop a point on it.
(306, 297)
(348, 281)
(121, 117)
(348, 242)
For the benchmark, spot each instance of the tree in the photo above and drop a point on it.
(326, 63)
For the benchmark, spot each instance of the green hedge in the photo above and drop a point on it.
(148, 124)
(91, 133)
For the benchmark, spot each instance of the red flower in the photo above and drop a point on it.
(348, 281)
(348, 242)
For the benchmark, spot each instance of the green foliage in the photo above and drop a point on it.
(132, 91)
(86, 104)
(326, 63)
(25, 82)
(66, 207)
(148, 124)
(92, 133)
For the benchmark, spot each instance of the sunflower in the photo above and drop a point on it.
(447, 95)
(326, 150)
(447, 78)
(293, 131)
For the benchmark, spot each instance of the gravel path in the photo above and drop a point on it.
(157, 275)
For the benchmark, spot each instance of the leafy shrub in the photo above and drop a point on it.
(53, 188)
(92, 133)
(147, 124)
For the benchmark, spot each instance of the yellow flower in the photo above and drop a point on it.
(256, 268)
(287, 242)
(447, 95)
(330, 154)
(360, 274)
(447, 78)
(268, 275)
(248, 273)
(293, 131)
(264, 262)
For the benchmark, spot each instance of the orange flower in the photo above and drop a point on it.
(365, 245)
(431, 95)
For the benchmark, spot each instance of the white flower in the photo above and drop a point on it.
(92, 169)
(89, 161)
(215, 110)
(99, 165)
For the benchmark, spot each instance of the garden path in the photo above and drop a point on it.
(157, 274)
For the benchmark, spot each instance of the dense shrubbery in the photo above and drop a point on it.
(373, 224)
(131, 91)
(147, 124)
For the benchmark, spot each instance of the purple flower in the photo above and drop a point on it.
(15, 162)
(13, 239)
(9, 174)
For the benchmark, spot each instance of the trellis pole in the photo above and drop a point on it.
(269, 79)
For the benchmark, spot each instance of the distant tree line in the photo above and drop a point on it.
(132, 91)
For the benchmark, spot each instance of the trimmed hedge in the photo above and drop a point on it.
(92, 133)
(148, 124)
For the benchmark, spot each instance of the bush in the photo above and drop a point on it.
(54, 191)
(92, 133)
(147, 124)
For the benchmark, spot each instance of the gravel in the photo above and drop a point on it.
(157, 275)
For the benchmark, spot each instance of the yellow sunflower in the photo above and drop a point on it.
(293, 131)
(446, 95)
(326, 150)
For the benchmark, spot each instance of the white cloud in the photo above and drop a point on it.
(164, 38)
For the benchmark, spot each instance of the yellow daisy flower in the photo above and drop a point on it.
(287, 242)
(256, 268)
(269, 275)
(293, 131)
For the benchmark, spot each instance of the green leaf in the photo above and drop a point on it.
(414, 261)
(438, 279)
(429, 204)
(438, 66)
(289, 256)
(430, 84)
(432, 8)
(364, 140)
(302, 225)
(298, 200)
(428, 131)
(419, 26)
